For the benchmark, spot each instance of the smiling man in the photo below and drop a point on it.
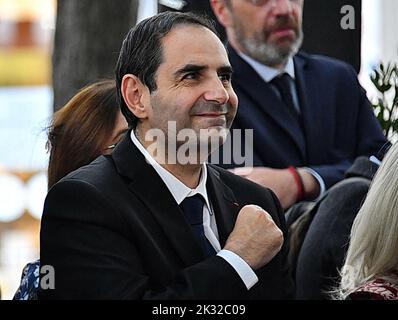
(133, 225)
(193, 93)
(309, 115)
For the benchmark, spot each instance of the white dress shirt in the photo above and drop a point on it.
(267, 74)
(180, 191)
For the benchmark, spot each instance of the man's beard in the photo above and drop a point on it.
(267, 53)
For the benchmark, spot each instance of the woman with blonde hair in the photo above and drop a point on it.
(371, 266)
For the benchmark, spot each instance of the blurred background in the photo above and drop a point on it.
(49, 49)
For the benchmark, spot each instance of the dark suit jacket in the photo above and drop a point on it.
(326, 242)
(337, 124)
(112, 230)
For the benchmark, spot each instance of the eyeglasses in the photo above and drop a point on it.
(267, 2)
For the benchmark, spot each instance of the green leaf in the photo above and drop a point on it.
(385, 77)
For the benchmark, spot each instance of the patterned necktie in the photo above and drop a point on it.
(193, 211)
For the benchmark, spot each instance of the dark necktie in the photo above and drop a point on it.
(282, 84)
(193, 211)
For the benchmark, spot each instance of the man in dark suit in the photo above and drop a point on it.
(309, 115)
(138, 225)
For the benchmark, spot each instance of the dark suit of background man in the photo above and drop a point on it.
(306, 111)
(133, 226)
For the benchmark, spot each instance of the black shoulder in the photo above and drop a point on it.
(326, 63)
(89, 193)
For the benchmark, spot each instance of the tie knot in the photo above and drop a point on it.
(282, 81)
(193, 209)
(283, 84)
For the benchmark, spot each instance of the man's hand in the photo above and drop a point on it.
(282, 182)
(279, 181)
(255, 237)
(311, 185)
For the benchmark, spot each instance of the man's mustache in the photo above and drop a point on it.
(285, 22)
(206, 107)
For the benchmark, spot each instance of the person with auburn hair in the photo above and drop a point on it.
(89, 125)
(371, 266)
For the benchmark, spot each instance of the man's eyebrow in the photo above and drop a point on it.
(198, 68)
(189, 68)
(225, 69)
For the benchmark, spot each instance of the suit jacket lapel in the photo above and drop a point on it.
(146, 185)
(254, 86)
(224, 204)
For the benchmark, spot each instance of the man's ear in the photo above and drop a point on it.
(222, 12)
(134, 94)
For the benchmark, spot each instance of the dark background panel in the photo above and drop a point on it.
(324, 35)
(321, 25)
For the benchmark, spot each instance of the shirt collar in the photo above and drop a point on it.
(268, 73)
(177, 188)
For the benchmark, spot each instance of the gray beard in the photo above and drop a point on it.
(269, 54)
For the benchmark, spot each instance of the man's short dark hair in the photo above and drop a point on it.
(142, 52)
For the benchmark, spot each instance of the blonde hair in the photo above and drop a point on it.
(373, 249)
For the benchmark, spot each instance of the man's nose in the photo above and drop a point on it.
(282, 7)
(217, 92)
